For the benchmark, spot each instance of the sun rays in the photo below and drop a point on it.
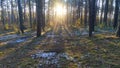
(60, 10)
(59, 23)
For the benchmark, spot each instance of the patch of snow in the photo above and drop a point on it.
(8, 37)
(84, 33)
(46, 55)
(53, 58)
(20, 40)
(52, 36)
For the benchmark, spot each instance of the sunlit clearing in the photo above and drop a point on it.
(60, 10)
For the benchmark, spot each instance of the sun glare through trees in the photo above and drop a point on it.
(60, 10)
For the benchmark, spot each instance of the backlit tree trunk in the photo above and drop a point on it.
(20, 16)
(39, 16)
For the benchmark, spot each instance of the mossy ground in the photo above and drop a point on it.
(99, 51)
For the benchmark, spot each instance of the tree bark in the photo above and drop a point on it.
(116, 14)
(2, 15)
(20, 16)
(92, 12)
(106, 12)
(39, 16)
(30, 14)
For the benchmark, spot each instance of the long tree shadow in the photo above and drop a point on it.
(105, 49)
(24, 50)
(18, 53)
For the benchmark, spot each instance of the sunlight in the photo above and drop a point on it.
(60, 10)
(59, 23)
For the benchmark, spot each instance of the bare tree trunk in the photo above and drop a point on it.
(39, 16)
(116, 14)
(30, 14)
(24, 15)
(85, 14)
(2, 15)
(20, 16)
(12, 12)
(43, 14)
(101, 16)
(106, 12)
(92, 12)
(118, 31)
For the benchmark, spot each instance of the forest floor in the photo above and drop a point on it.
(59, 50)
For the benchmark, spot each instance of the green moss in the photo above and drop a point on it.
(28, 63)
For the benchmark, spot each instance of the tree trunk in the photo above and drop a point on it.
(118, 31)
(24, 16)
(39, 16)
(20, 16)
(85, 14)
(43, 12)
(30, 14)
(106, 12)
(92, 12)
(2, 15)
(12, 13)
(116, 14)
(101, 15)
